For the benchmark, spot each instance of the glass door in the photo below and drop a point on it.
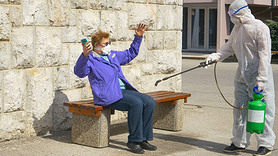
(199, 29)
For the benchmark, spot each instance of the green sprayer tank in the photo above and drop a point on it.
(256, 113)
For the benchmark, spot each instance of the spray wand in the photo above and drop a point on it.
(202, 64)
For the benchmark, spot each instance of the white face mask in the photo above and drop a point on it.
(235, 20)
(106, 50)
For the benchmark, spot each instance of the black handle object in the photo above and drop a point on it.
(202, 64)
(156, 83)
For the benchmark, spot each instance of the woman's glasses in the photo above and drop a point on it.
(106, 43)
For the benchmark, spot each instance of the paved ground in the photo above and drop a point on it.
(207, 124)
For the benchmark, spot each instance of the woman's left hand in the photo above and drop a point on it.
(141, 29)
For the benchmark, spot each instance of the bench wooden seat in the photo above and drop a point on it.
(90, 122)
(87, 107)
(168, 96)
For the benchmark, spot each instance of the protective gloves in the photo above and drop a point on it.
(211, 57)
(260, 85)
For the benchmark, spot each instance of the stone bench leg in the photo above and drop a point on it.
(91, 130)
(168, 116)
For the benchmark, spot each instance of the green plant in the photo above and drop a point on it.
(273, 26)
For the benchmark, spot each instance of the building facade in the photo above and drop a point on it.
(206, 24)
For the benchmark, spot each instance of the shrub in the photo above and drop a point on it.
(273, 26)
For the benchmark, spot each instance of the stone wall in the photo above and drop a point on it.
(40, 43)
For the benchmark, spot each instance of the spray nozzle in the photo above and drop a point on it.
(156, 83)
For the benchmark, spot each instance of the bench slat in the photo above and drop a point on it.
(171, 97)
(168, 96)
(91, 101)
(164, 95)
(158, 93)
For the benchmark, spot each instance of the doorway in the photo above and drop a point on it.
(199, 29)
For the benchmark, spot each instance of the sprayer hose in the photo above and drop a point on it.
(221, 91)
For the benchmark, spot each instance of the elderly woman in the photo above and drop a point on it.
(110, 87)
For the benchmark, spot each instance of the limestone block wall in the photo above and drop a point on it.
(40, 43)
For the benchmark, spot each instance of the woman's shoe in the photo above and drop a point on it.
(135, 147)
(147, 146)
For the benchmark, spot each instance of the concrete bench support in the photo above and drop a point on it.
(91, 130)
(168, 117)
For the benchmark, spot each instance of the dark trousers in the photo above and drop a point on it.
(140, 109)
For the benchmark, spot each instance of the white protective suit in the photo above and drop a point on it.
(250, 42)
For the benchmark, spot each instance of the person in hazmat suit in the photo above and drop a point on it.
(251, 43)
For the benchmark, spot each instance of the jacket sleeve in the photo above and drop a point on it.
(264, 52)
(81, 68)
(128, 55)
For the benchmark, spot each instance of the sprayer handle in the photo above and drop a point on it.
(255, 89)
(204, 64)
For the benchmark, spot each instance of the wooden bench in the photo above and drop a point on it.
(91, 123)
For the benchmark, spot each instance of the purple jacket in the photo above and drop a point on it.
(103, 76)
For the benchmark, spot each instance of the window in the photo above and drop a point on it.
(197, 28)
(184, 28)
(199, 32)
(212, 28)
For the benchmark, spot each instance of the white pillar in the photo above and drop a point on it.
(221, 24)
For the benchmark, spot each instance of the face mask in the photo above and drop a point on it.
(235, 20)
(106, 50)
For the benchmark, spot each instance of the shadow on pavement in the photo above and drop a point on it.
(114, 143)
(207, 145)
(64, 136)
(61, 136)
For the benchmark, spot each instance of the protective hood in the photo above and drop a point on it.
(237, 4)
(240, 12)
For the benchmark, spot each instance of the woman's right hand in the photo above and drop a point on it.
(87, 48)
